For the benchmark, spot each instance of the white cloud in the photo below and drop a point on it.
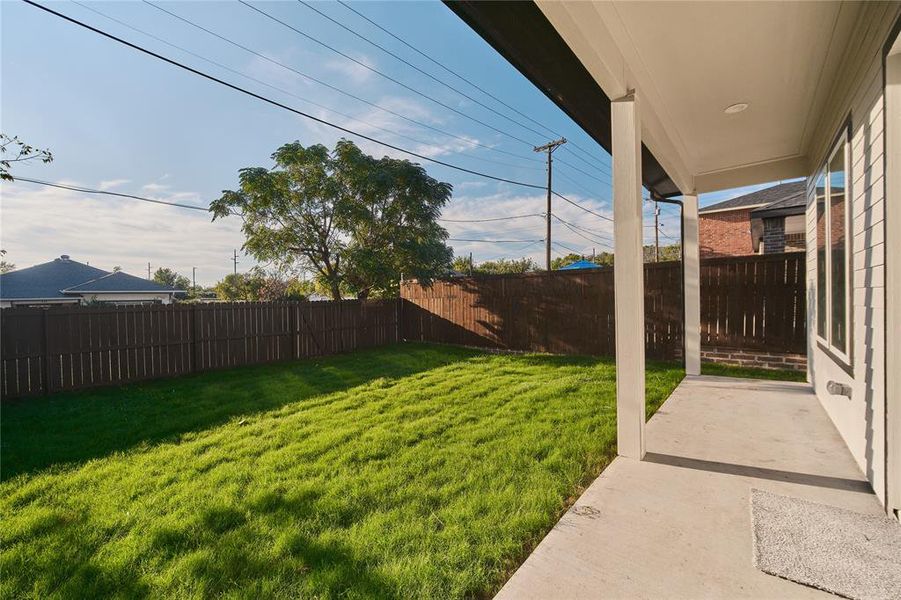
(112, 183)
(353, 72)
(42, 223)
(280, 76)
(154, 188)
(587, 232)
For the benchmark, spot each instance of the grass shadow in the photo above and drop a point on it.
(71, 428)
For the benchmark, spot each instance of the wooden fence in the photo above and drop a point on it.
(748, 302)
(755, 302)
(566, 312)
(46, 350)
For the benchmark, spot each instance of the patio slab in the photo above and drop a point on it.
(678, 524)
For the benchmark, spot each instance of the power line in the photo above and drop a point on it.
(276, 103)
(569, 248)
(595, 238)
(586, 173)
(585, 237)
(385, 75)
(75, 188)
(404, 85)
(491, 219)
(461, 77)
(419, 70)
(445, 67)
(494, 241)
(375, 105)
(585, 229)
(572, 181)
(576, 204)
(592, 165)
(284, 91)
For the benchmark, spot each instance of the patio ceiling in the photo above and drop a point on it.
(687, 61)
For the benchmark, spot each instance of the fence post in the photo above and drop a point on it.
(398, 319)
(194, 337)
(45, 360)
(293, 326)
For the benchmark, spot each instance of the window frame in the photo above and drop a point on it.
(842, 143)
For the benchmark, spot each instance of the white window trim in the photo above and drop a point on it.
(843, 143)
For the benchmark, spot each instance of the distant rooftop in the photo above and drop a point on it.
(63, 276)
(784, 192)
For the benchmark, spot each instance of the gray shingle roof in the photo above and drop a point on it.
(48, 280)
(794, 204)
(119, 282)
(776, 193)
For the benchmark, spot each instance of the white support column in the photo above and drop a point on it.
(628, 277)
(692, 284)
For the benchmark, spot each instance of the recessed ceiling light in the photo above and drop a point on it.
(735, 108)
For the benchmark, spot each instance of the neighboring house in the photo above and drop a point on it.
(762, 222)
(692, 98)
(66, 281)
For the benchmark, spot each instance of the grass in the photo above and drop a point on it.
(409, 471)
(752, 373)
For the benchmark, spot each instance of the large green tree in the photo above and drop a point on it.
(360, 223)
(166, 276)
(495, 267)
(260, 285)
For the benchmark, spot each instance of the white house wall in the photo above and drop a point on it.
(164, 298)
(858, 94)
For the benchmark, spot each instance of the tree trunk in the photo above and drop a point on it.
(335, 289)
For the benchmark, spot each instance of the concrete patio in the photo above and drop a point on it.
(677, 524)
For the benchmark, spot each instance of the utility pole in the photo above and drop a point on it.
(148, 270)
(235, 261)
(656, 232)
(194, 280)
(470, 264)
(549, 148)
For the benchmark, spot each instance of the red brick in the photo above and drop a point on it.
(726, 233)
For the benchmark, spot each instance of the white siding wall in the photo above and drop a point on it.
(859, 93)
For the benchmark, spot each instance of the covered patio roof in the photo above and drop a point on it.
(779, 59)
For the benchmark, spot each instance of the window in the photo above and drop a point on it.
(833, 251)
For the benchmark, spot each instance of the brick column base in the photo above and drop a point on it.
(754, 358)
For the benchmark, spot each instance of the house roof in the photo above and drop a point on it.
(579, 264)
(784, 192)
(52, 279)
(118, 282)
(795, 204)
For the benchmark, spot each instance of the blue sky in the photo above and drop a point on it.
(122, 121)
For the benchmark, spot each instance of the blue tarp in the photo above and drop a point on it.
(579, 264)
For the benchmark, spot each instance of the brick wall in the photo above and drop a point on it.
(774, 235)
(726, 233)
(753, 358)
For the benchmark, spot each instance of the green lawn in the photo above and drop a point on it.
(410, 471)
(752, 373)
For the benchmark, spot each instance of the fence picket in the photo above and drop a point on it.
(46, 350)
